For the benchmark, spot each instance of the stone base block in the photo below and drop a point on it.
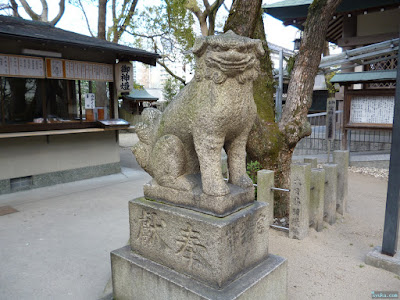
(212, 250)
(377, 259)
(135, 277)
(195, 199)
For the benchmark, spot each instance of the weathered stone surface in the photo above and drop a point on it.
(210, 249)
(316, 213)
(224, 165)
(311, 160)
(300, 178)
(265, 181)
(341, 158)
(197, 200)
(214, 110)
(330, 197)
(377, 259)
(135, 277)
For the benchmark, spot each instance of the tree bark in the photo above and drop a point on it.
(209, 13)
(14, 7)
(45, 11)
(272, 144)
(60, 13)
(101, 24)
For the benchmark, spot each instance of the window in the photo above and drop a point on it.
(28, 104)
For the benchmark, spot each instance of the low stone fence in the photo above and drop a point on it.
(316, 194)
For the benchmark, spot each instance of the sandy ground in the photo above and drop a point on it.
(57, 246)
(330, 264)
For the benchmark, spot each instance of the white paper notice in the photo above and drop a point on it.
(4, 65)
(56, 68)
(372, 109)
(90, 101)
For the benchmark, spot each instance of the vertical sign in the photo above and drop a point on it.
(330, 124)
(330, 118)
(124, 77)
(90, 101)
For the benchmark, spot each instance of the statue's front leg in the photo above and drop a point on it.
(236, 151)
(208, 148)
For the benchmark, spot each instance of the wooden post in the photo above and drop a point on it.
(44, 99)
(3, 98)
(392, 214)
(80, 100)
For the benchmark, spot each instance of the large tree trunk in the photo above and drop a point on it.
(101, 23)
(294, 124)
(270, 143)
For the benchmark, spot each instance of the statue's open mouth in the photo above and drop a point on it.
(233, 62)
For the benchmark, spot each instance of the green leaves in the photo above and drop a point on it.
(171, 87)
(166, 29)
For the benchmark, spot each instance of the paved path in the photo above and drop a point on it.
(57, 246)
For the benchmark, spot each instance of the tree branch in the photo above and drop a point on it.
(86, 18)
(126, 21)
(193, 7)
(212, 15)
(29, 11)
(145, 35)
(170, 72)
(60, 13)
(45, 11)
(14, 7)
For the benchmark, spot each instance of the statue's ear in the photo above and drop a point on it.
(259, 49)
(199, 46)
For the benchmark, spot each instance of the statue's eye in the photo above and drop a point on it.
(217, 48)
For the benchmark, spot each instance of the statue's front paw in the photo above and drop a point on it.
(243, 181)
(216, 188)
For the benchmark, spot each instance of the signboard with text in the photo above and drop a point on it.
(90, 101)
(78, 70)
(21, 66)
(124, 77)
(330, 118)
(372, 109)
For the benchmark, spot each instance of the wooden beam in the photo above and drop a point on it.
(366, 40)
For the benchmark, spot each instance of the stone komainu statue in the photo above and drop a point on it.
(216, 109)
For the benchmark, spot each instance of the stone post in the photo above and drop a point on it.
(311, 160)
(330, 193)
(299, 200)
(317, 199)
(341, 158)
(265, 181)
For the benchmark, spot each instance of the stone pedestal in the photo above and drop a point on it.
(178, 253)
(389, 263)
(135, 277)
(195, 199)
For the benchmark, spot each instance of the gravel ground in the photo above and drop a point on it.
(375, 172)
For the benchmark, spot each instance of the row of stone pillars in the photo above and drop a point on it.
(316, 194)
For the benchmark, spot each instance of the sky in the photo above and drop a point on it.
(73, 20)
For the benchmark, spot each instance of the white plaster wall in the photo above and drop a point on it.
(378, 23)
(25, 156)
